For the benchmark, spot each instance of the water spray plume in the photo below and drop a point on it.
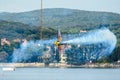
(101, 36)
(103, 39)
(29, 49)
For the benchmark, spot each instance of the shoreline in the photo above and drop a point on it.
(60, 65)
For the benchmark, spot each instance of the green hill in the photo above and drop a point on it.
(63, 18)
(13, 30)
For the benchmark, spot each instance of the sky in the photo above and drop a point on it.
(90, 5)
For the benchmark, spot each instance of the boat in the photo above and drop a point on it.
(8, 69)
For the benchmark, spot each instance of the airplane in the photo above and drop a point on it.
(59, 43)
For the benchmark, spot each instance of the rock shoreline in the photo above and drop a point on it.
(59, 65)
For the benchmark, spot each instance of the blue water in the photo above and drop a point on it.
(60, 74)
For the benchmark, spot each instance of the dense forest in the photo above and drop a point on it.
(25, 25)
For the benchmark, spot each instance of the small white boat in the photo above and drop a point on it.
(8, 69)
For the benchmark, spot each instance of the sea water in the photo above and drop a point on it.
(60, 74)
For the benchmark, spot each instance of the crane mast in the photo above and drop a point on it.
(41, 21)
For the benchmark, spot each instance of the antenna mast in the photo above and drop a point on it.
(41, 21)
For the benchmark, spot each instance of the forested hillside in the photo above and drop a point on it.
(13, 30)
(63, 18)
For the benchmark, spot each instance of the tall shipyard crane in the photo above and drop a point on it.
(41, 20)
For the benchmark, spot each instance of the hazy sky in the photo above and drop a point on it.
(91, 5)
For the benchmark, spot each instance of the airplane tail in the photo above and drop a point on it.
(59, 36)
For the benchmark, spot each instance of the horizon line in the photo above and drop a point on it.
(57, 8)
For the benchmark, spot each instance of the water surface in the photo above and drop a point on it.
(60, 74)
